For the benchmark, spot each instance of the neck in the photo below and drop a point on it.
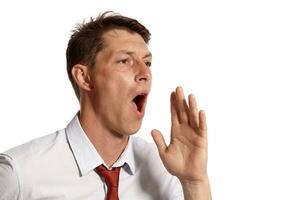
(109, 145)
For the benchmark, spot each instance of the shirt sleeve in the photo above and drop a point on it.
(9, 183)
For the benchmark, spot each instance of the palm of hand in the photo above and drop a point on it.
(186, 155)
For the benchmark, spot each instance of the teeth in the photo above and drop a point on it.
(135, 105)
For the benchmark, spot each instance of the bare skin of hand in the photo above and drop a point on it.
(186, 155)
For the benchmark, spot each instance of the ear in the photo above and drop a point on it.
(82, 77)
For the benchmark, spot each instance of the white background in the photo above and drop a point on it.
(240, 58)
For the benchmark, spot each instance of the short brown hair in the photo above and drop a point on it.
(86, 40)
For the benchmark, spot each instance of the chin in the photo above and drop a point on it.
(133, 129)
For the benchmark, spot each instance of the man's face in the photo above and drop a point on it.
(122, 81)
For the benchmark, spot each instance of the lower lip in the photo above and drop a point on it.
(141, 113)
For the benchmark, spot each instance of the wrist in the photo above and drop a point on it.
(202, 181)
(196, 189)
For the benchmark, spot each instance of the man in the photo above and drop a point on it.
(96, 156)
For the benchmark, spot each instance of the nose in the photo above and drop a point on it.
(139, 78)
(143, 73)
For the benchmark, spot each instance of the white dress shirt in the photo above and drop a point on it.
(60, 166)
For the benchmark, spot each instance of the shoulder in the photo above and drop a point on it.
(143, 148)
(18, 163)
(145, 152)
(36, 146)
(139, 142)
(38, 152)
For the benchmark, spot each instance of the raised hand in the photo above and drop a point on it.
(186, 155)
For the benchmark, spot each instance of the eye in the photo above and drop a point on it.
(148, 63)
(123, 61)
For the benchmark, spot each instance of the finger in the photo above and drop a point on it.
(159, 141)
(181, 105)
(202, 124)
(193, 112)
(174, 114)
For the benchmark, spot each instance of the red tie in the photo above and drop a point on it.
(111, 178)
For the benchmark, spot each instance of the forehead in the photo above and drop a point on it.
(118, 39)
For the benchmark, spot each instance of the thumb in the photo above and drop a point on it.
(159, 141)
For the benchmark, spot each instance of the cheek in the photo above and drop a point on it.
(118, 84)
(113, 85)
(122, 78)
(113, 90)
(116, 77)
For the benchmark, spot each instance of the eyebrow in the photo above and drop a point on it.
(148, 55)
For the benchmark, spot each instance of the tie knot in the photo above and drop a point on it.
(111, 177)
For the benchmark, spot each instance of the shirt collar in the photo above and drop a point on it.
(85, 154)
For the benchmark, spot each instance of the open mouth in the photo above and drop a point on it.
(139, 101)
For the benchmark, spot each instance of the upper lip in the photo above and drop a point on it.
(140, 92)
